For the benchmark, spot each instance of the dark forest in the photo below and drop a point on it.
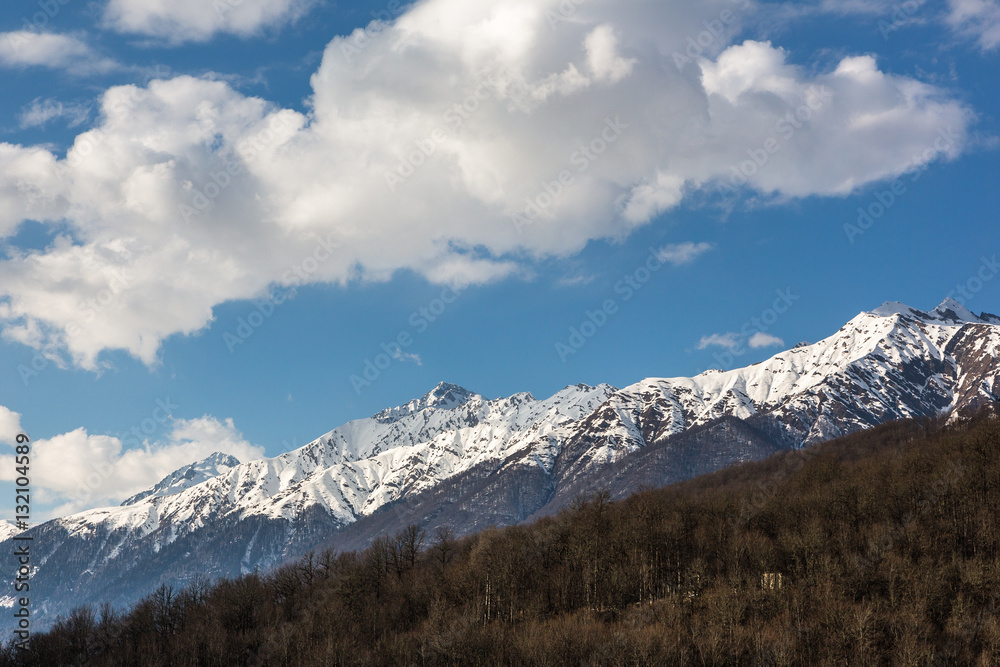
(880, 548)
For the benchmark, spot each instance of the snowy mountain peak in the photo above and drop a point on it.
(949, 311)
(188, 476)
(445, 396)
(219, 459)
(8, 530)
(890, 308)
(452, 457)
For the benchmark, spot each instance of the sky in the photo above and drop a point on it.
(235, 225)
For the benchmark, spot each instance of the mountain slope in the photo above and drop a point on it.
(453, 457)
(187, 476)
(879, 548)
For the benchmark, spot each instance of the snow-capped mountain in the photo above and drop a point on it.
(454, 457)
(8, 530)
(188, 476)
(891, 363)
(894, 362)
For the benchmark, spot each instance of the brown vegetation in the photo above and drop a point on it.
(877, 549)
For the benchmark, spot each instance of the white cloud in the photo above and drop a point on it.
(399, 355)
(10, 426)
(735, 343)
(683, 253)
(75, 471)
(178, 21)
(422, 143)
(604, 57)
(40, 112)
(976, 18)
(39, 49)
(730, 341)
(761, 339)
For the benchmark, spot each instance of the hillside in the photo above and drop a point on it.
(456, 458)
(881, 547)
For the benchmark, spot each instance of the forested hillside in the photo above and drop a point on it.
(878, 548)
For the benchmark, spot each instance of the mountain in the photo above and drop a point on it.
(188, 476)
(455, 458)
(853, 551)
(7, 530)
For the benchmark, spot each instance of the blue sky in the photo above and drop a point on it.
(172, 179)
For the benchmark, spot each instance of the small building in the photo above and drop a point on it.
(771, 581)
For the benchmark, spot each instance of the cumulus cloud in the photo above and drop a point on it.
(76, 471)
(603, 56)
(40, 112)
(10, 426)
(737, 343)
(729, 341)
(760, 340)
(178, 21)
(26, 48)
(463, 141)
(979, 19)
(683, 253)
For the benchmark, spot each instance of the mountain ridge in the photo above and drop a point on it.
(453, 456)
(187, 476)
